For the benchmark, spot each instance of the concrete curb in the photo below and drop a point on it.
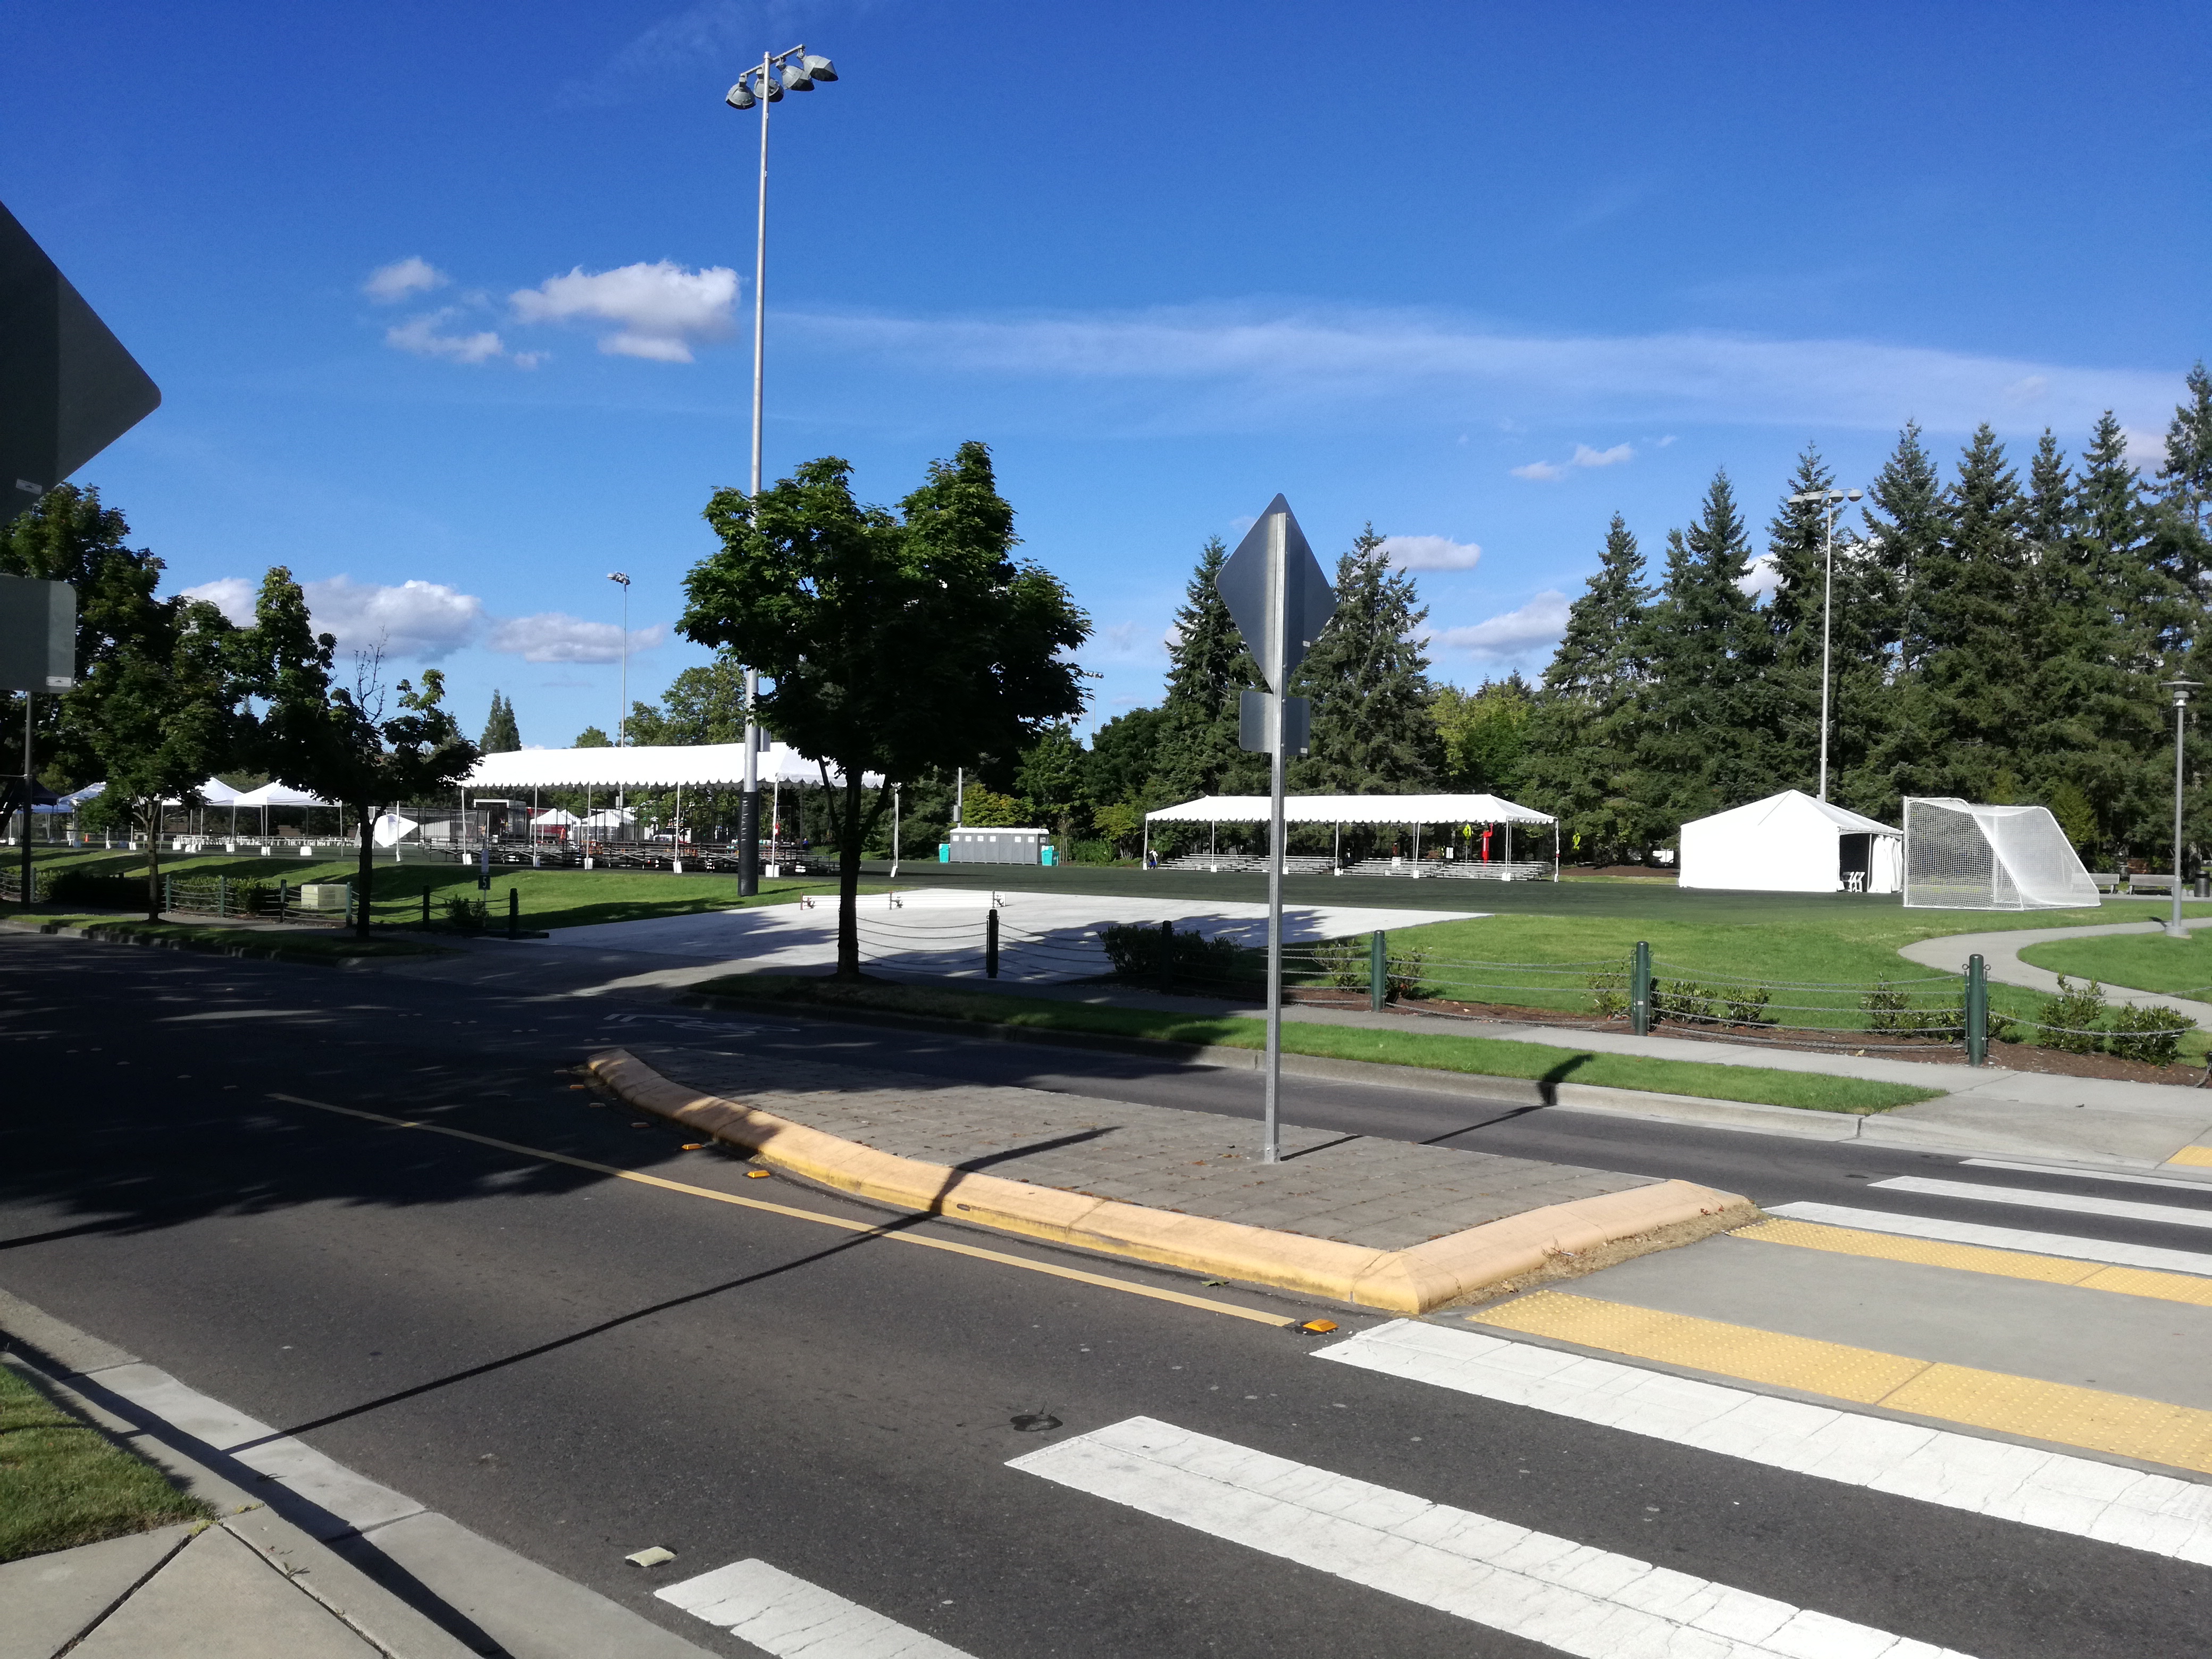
(1411, 1281)
(1505, 1091)
(97, 935)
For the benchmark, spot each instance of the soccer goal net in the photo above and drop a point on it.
(1959, 856)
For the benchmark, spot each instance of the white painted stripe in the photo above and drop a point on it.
(2171, 1214)
(790, 1618)
(2205, 1187)
(2054, 1491)
(1566, 1595)
(2000, 1238)
(358, 1502)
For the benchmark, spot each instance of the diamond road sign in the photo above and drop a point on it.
(1273, 560)
(68, 389)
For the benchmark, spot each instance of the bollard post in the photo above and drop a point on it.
(1167, 958)
(222, 896)
(514, 913)
(284, 899)
(991, 943)
(1978, 1012)
(1378, 970)
(1639, 989)
(168, 895)
(426, 907)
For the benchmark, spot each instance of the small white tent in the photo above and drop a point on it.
(1791, 843)
(1959, 856)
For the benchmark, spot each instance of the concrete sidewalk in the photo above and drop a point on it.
(2000, 954)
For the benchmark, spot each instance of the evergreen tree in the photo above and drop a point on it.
(1050, 777)
(1582, 739)
(1196, 751)
(1122, 759)
(1798, 547)
(1700, 737)
(500, 735)
(1905, 520)
(1963, 709)
(1368, 678)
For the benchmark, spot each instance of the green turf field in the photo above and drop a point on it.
(2136, 962)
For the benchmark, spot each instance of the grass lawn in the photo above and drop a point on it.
(64, 1483)
(2138, 961)
(1481, 1056)
(548, 898)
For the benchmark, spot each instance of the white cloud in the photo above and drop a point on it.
(418, 619)
(420, 336)
(661, 309)
(1430, 553)
(1585, 456)
(1244, 368)
(232, 595)
(1761, 578)
(1514, 634)
(555, 636)
(412, 274)
(2145, 450)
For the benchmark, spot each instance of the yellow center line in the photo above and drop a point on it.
(1980, 1258)
(2123, 1426)
(1181, 1298)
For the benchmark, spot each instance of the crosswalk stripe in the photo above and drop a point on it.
(2091, 1419)
(2173, 1215)
(1568, 1596)
(2077, 1496)
(2120, 1176)
(1977, 1259)
(2193, 1157)
(2000, 1238)
(790, 1618)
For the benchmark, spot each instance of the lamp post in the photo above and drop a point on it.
(621, 708)
(1831, 502)
(2181, 689)
(794, 70)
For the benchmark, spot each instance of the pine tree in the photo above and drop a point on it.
(1368, 678)
(1905, 520)
(500, 735)
(1963, 709)
(1196, 751)
(1798, 544)
(1581, 757)
(1701, 738)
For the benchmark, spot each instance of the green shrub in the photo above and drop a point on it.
(1683, 1001)
(1134, 949)
(1608, 991)
(2150, 1035)
(2073, 1020)
(1092, 852)
(1746, 1004)
(110, 892)
(1402, 974)
(468, 915)
(1886, 1008)
(1342, 962)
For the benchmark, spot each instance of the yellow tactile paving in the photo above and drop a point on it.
(1978, 1259)
(2121, 1425)
(2200, 1156)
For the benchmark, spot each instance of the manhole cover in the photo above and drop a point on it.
(1036, 1422)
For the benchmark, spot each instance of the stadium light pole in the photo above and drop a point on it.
(1831, 502)
(794, 70)
(2181, 689)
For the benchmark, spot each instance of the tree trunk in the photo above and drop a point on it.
(848, 880)
(363, 890)
(153, 859)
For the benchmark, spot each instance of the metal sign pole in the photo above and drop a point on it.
(1278, 562)
(30, 789)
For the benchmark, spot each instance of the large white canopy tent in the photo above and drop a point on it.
(649, 766)
(1791, 843)
(1959, 856)
(1338, 810)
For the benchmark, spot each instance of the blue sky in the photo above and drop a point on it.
(1482, 275)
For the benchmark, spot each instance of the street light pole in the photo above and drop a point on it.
(1832, 502)
(794, 70)
(2181, 689)
(621, 708)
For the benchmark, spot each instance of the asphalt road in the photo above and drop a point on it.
(579, 1366)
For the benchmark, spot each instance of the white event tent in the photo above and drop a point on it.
(648, 766)
(1791, 843)
(1413, 810)
(280, 795)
